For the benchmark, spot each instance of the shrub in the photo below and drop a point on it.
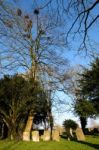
(70, 124)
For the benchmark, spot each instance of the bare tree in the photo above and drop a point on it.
(80, 17)
(85, 20)
(31, 45)
(29, 42)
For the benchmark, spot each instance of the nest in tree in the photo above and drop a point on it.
(36, 11)
(19, 12)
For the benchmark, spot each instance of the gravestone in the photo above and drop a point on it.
(29, 124)
(26, 136)
(46, 136)
(55, 135)
(35, 136)
(80, 135)
(26, 133)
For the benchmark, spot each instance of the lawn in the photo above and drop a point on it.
(91, 143)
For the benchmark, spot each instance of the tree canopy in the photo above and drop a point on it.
(18, 99)
(79, 20)
(89, 84)
(70, 124)
(87, 93)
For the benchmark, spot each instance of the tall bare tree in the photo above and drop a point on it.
(81, 19)
(29, 43)
(32, 44)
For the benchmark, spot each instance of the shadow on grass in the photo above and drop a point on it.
(63, 136)
(96, 146)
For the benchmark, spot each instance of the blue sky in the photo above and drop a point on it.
(30, 5)
(72, 55)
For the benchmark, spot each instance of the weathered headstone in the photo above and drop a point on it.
(35, 136)
(46, 136)
(26, 136)
(55, 135)
(80, 135)
(26, 133)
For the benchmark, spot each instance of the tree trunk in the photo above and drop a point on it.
(2, 130)
(12, 134)
(83, 121)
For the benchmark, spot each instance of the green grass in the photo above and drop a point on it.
(91, 143)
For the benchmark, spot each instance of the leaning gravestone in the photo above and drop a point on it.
(80, 135)
(26, 136)
(55, 135)
(46, 136)
(35, 136)
(26, 133)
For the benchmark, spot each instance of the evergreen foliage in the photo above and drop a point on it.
(70, 124)
(18, 99)
(89, 88)
(87, 96)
